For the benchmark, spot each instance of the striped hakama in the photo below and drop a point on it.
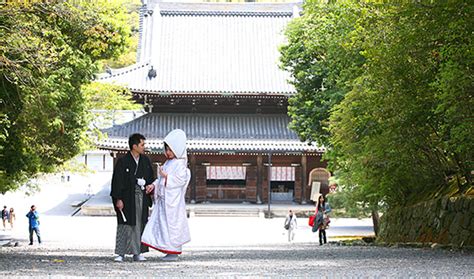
(128, 239)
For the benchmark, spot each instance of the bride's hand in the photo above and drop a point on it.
(149, 188)
(162, 173)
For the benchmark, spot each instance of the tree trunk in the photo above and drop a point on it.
(375, 220)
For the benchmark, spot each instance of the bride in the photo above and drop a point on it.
(167, 229)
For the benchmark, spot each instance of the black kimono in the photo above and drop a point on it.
(124, 180)
(135, 203)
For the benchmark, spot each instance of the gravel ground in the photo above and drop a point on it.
(220, 247)
(279, 260)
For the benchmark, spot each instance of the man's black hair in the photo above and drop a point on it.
(135, 139)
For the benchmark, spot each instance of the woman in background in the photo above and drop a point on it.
(322, 219)
(12, 217)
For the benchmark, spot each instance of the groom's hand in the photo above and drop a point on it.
(119, 204)
(149, 188)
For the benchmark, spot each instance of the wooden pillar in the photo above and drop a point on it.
(251, 184)
(265, 185)
(259, 178)
(298, 184)
(193, 178)
(304, 163)
(201, 183)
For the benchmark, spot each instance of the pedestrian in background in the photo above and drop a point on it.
(291, 225)
(33, 223)
(5, 216)
(12, 217)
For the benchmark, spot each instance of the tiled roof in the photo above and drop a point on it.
(212, 132)
(208, 126)
(214, 48)
(222, 145)
(255, 8)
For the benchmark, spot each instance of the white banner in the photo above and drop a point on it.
(226, 172)
(283, 174)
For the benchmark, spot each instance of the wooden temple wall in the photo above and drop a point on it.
(256, 179)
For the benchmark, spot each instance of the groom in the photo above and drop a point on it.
(131, 173)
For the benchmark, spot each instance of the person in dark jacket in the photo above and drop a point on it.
(33, 224)
(5, 216)
(131, 173)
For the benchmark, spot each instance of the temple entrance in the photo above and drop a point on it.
(226, 183)
(283, 190)
(283, 184)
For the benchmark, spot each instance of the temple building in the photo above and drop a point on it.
(212, 70)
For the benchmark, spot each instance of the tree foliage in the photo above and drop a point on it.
(402, 132)
(47, 52)
(105, 103)
(129, 55)
(107, 96)
(321, 59)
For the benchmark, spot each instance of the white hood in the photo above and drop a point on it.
(176, 140)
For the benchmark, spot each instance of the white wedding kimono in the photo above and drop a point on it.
(167, 228)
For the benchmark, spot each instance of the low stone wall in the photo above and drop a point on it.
(448, 221)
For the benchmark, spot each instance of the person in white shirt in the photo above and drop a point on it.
(291, 225)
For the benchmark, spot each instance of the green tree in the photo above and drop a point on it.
(401, 130)
(106, 96)
(322, 60)
(129, 55)
(47, 52)
(104, 103)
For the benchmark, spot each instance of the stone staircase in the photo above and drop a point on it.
(97, 210)
(101, 205)
(224, 212)
(106, 209)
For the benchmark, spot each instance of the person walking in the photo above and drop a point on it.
(291, 225)
(12, 217)
(5, 216)
(322, 219)
(33, 224)
(167, 230)
(131, 173)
